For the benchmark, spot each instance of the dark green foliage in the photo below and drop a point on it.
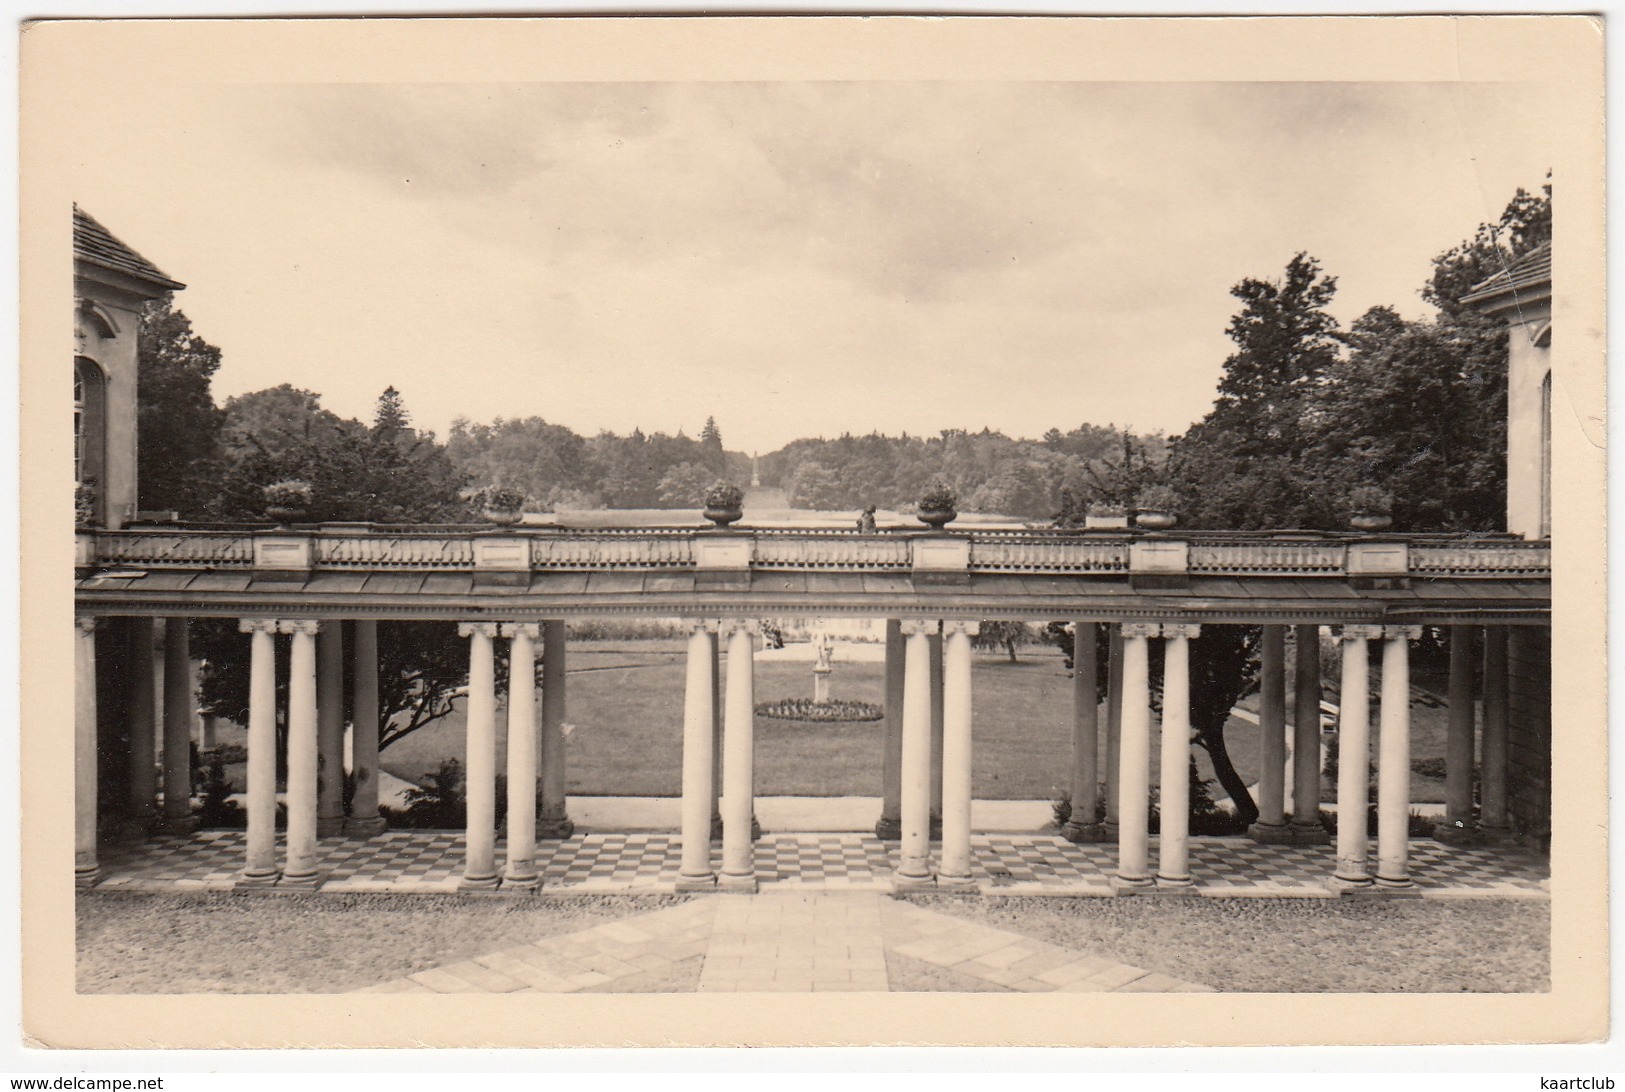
(178, 426)
(214, 808)
(1006, 634)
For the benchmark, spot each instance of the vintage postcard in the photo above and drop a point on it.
(813, 531)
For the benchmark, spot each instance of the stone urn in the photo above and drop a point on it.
(936, 518)
(722, 517)
(1371, 521)
(1156, 520)
(287, 502)
(502, 517)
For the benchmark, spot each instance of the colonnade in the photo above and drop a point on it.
(927, 753)
(314, 801)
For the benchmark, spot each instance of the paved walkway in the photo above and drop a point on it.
(408, 861)
(787, 941)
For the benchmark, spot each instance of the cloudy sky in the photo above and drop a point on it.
(793, 258)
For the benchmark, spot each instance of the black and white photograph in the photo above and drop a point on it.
(813, 531)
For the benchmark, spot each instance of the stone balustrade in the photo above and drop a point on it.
(1041, 552)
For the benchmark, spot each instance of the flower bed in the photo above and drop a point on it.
(809, 710)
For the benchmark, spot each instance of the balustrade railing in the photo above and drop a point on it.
(1038, 552)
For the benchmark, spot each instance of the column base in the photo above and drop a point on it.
(1270, 834)
(181, 824)
(755, 829)
(330, 826)
(1352, 885)
(87, 877)
(958, 885)
(1496, 836)
(133, 831)
(1451, 834)
(478, 883)
(1109, 830)
(889, 830)
(1173, 887)
(304, 881)
(1307, 834)
(1084, 832)
(737, 885)
(696, 885)
(1404, 883)
(555, 829)
(365, 828)
(258, 879)
(521, 882)
(901, 884)
(1138, 885)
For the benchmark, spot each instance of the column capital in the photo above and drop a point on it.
(1187, 630)
(731, 626)
(256, 625)
(308, 626)
(85, 623)
(1141, 629)
(1400, 633)
(702, 625)
(533, 630)
(485, 629)
(1352, 631)
(915, 627)
(957, 625)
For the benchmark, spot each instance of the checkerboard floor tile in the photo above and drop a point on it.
(1006, 864)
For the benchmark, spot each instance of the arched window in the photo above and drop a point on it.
(1546, 456)
(89, 423)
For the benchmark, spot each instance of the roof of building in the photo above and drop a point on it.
(95, 244)
(1530, 274)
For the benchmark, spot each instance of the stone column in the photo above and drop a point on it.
(890, 826)
(698, 759)
(330, 730)
(1085, 795)
(86, 871)
(1271, 826)
(1354, 756)
(177, 729)
(143, 721)
(364, 820)
(954, 872)
(717, 707)
(1114, 728)
(1174, 782)
(936, 734)
(479, 866)
(914, 850)
(1458, 828)
(1134, 773)
(522, 746)
(555, 819)
(302, 752)
(739, 759)
(261, 867)
(1492, 804)
(1394, 758)
(1306, 825)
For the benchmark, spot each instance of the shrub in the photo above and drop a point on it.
(809, 710)
(1429, 767)
(1368, 500)
(938, 496)
(724, 495)
(1157, 498)
(227, 753)
(215, 808)
(500, 499)
(288, 493)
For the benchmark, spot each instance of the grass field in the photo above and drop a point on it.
(625, 711)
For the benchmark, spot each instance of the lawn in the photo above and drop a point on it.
(308, 943)
(1296, 945)
(625, 710)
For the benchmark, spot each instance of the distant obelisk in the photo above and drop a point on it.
(755, 471)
